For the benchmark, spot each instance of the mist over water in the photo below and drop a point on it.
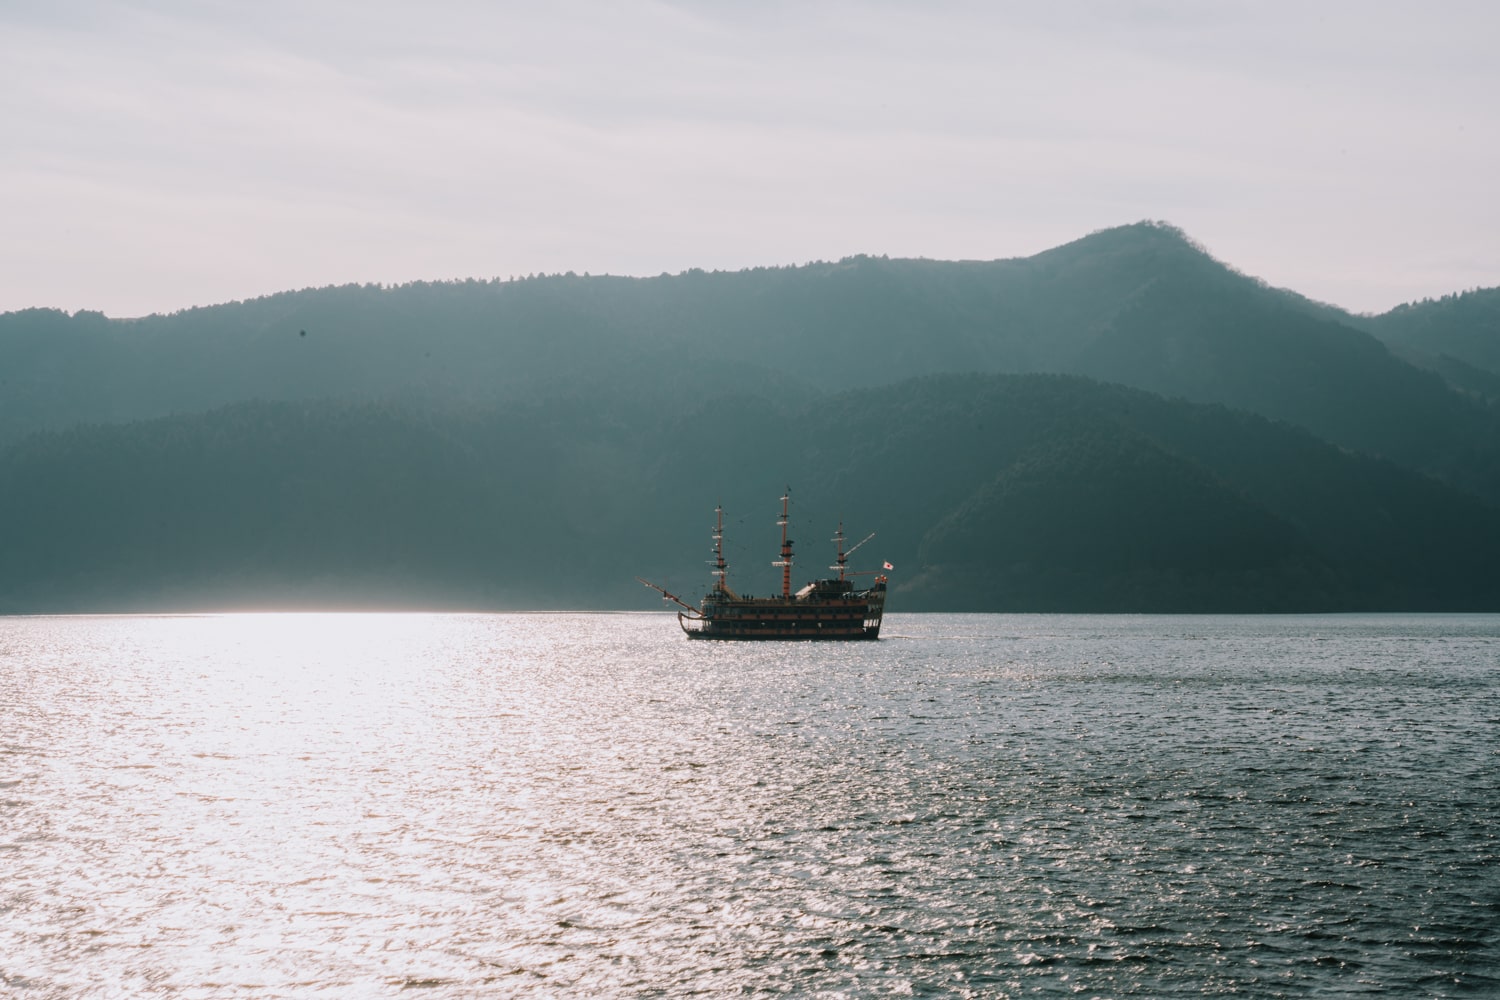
(557, 805)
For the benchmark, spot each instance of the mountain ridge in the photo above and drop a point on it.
(1118, 423)
(1142, 305)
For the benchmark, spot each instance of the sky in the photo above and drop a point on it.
(161, 154)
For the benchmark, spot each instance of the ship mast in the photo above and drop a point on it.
(843, 560)
(721, 568)
(785, 562)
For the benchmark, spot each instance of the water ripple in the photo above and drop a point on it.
(546, 805)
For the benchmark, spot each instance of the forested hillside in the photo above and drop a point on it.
(987, 492)
(1139, 305)
(1457, 335)
(538, 442)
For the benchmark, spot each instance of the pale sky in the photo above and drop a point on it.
(162, 154)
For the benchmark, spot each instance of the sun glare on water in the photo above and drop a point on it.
(282, 805)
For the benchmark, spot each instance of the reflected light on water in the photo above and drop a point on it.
(280, 805)
(274, 791)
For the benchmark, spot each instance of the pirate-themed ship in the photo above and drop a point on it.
(823, 609)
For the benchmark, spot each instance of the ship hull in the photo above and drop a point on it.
(794, 632)
(852, 618)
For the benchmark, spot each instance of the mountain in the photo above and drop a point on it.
(1139, 305)
(1119, 423)
(1455, 330)
(988, 493)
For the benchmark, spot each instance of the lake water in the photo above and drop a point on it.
(590, 805)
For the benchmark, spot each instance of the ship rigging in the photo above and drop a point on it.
(830, 608)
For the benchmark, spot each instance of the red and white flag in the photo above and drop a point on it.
(889, 566)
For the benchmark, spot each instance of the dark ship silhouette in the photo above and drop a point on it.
(823, 609)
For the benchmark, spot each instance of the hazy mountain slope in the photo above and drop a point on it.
(1140, 305)
(988, 492)
(1367, 533)
(860, 321)
(1482, 385)
(1216, 338)
(1115, 522)
(452, 345)
(325, 504)
(1462, 327)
